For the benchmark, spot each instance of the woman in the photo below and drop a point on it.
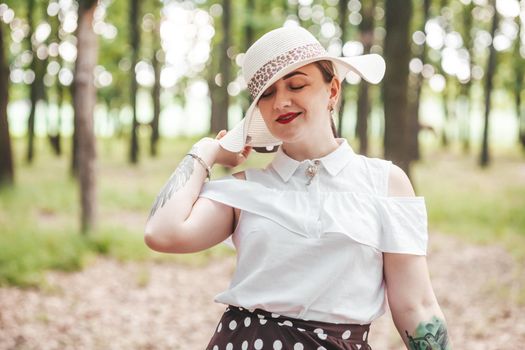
(321, 233)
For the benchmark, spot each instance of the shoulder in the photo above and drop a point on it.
(240, 175)
(399, 184)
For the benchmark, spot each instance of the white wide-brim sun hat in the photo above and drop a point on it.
(276, 54)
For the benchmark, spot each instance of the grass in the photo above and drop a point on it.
(485, 206)
(39, 217)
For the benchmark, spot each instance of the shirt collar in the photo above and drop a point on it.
(333, 162)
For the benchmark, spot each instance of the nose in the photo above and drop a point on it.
(282, 100)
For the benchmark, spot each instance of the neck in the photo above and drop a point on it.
(310, 149)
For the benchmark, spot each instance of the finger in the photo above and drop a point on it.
(220, 134)
(247, 151)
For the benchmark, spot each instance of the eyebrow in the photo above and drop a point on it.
(292, 74)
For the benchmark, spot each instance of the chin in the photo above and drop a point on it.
(289, 138)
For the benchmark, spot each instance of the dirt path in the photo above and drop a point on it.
(111, 305)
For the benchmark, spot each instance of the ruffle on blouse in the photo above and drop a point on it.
(389, 224)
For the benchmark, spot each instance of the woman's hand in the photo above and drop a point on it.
(231, 159)
(213, 153)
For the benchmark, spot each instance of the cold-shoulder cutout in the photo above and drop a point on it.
(239, 175)
(399, 184)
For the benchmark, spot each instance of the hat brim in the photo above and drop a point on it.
(252, 130)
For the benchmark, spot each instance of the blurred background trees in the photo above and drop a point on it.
(455, 72)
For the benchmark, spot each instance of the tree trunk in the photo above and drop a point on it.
(33, 88)
(61, 90)
(413, 115)
(465, 102)
(465, 90)
(248, 25)
(249, 38)
(446, 92)
(519, 69)
(219, 118)
(56, 139)
(134, 43)
(343, 19)
(491, 67)
(366, 32)
(7, 173)
(397, 55)
(37, 89)
(521, 113)
(155, 92)
(74, 144)
(446, 112)
(54, 136)
(84, 100)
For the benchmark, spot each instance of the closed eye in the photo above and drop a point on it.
(269, 93)
(266, 94)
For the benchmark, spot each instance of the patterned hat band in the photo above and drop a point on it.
(270, 68)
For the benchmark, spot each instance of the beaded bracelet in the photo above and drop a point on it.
(203, 163)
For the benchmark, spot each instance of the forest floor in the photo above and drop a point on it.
(169, 305)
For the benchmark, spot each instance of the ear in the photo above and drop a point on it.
(335, 89)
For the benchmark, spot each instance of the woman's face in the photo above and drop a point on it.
(297, 106)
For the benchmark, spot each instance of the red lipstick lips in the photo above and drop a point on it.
(287, 117)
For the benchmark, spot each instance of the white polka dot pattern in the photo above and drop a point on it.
(266, 333)
(298, 346)
(322, 336)
(258, 344)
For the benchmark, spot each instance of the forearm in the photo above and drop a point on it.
(175, 201)
(422, 326)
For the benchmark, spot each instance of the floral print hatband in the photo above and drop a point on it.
(273, 66)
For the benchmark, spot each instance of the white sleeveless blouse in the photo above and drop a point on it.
(314, 251)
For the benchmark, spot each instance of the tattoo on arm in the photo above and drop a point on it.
(431, 335)
(178, 179)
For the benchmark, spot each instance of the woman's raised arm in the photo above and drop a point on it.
(180, 221)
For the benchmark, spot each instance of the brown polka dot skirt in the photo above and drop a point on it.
(241, 329)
